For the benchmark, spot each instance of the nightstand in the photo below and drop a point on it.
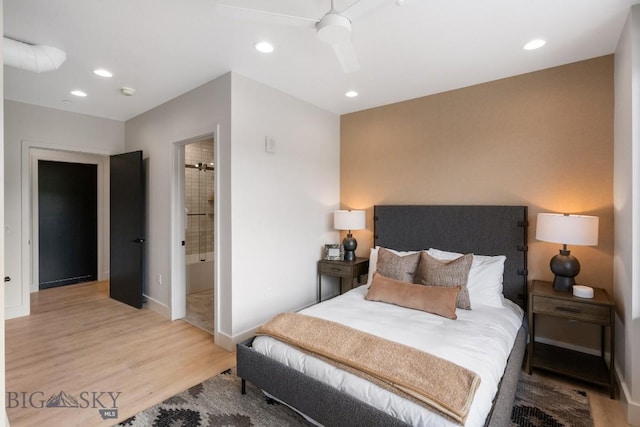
(599, 310)
(348, 271)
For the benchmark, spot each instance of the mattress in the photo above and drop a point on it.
(480, 340)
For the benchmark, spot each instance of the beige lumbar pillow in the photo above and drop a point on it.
(453, 273)
(432, 299)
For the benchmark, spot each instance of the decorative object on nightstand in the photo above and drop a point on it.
(349, 220)
(567, 230)
(599, 310)
(334, 252)
(581, 291)
(347, 271)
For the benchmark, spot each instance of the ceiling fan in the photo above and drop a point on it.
(333, 28)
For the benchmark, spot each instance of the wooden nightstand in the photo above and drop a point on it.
(348, 271)
(600, 310)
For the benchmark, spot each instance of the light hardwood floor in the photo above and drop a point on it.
(78, 340)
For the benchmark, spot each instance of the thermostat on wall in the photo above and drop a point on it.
(582, 291)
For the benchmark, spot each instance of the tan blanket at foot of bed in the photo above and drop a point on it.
(435, 382)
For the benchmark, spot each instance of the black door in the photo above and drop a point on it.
(67, 223)
(127, 187)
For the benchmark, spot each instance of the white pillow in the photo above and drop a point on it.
(485, 277)
(373, 260)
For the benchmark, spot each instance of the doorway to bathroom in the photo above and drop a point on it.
(199, 204)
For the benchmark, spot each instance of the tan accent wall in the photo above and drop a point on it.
(543, 139)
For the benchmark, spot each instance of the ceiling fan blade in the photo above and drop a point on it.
(264, 16)
(346, 56)
(361, 8)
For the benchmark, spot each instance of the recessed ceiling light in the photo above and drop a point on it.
(534, 44)
(78, 93)
(351, 94)
(102, 72)
(264, 47)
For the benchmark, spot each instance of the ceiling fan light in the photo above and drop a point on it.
(333, 28)
(32, 57)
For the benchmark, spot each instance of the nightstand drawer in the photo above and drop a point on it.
(337, 269)
(572, 310)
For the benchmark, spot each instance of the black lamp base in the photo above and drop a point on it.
(563, 284)
(565, 267)
(350, 244)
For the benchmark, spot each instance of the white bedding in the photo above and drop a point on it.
(480, 340)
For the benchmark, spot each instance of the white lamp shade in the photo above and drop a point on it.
(568, 229)
(348, 220)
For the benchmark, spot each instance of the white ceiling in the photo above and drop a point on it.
(163, 48)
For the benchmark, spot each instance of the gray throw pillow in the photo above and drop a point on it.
(453, 273)
(396, 267)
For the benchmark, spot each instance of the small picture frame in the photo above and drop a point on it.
(334, 252)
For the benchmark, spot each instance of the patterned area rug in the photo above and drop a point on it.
(544, 403)
(217, 402)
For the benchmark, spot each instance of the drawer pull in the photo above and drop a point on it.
(569, 309)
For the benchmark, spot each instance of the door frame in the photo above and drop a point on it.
(178, 297)
(31, 153)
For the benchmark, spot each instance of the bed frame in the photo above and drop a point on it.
(485, 230)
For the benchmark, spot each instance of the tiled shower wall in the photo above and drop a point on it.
(199, 196)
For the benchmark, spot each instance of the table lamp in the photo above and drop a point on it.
(568, 230)
(349, 220)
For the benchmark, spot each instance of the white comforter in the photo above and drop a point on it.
(480, 340)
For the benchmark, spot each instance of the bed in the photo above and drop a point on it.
(486, 230)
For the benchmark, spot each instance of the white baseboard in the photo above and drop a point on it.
(633, 408)
(224, 341)
(633, 413)
(229, 342)
(14, 312)
(157, 306)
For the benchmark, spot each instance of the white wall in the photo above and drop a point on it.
(272, 210)
(282, 202)
(33, 126)
(627, 213)
(155, 132)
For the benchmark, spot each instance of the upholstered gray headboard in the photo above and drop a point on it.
(482, 230)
